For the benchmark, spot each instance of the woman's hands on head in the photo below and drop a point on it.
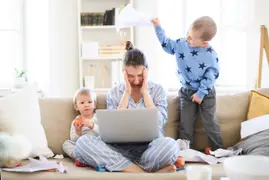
(144, 88)
(128, 88)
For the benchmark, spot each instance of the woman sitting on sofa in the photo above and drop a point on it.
(159, 155)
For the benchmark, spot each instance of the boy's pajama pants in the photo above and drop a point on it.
(207, 109)
(151, 156)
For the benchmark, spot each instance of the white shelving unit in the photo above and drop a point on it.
(102, 69)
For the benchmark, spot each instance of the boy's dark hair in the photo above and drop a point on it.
(133, 56)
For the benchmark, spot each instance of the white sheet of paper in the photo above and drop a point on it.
(225, 152)
(128, 16)
(254, 125)
(37, 165)
(191, 155)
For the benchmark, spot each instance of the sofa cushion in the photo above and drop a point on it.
(20, 115)
(172, 125)
(230, 116)
(258, 105)
(231, 111)
(57, 115)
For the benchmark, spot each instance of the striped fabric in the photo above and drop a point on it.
(94, 152)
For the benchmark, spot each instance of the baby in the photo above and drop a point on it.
(85, 102)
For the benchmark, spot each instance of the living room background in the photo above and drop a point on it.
(43, 40)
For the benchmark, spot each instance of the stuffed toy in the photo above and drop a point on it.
(13, 149)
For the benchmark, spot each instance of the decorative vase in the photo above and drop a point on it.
(19, 82)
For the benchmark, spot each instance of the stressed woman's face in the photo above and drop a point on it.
(135, 75)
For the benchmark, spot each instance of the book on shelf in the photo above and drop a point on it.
(92, 19)
(100, 18)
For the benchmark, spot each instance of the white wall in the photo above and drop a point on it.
(145, 38)
(36, 34)
(262, 14)
(262, 17)
(64, 79)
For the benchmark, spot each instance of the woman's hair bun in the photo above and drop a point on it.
(129, 46)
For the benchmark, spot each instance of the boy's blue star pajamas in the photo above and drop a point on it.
(197, 70)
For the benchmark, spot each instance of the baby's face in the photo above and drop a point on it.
(193, 38)
(85, 105)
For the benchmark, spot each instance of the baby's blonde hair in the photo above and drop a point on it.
(207, 26)
(84, 91)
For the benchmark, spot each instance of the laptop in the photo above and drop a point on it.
(128, 125)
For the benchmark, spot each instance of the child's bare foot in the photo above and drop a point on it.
(207, 150)
(167, 169)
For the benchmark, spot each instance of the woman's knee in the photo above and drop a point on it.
(169, 145)
(165, 140)
(165, 146)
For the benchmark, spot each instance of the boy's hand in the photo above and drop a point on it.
(197, 99)
(156, 22)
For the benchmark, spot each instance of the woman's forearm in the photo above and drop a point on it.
(124, 101)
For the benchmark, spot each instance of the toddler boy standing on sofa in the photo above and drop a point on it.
(197, 69)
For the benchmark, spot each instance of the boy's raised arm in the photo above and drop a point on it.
(168, 44)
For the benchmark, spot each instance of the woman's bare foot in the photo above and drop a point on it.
(133, 168)
(167, 169)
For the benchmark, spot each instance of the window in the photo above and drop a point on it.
(11, 43)
(233, 18)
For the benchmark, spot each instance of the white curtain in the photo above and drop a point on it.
(11, 40)
(37, 57)
(24, 41)
(237, 40)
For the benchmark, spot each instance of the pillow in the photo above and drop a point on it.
(254, 126)
(20, 115)
(258, 105)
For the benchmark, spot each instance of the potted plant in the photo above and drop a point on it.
(20, 78)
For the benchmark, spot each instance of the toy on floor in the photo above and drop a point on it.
(180, 163)
(207, 150)
(13, 150)
(100, 169)
(80, 164)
